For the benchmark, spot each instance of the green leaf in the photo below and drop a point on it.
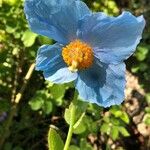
(147, 110)
(79, 121)
(28, 38)
(114, 120)
(143, 67)
(147, 97)
(135, 69)
(105, 128)
(67, 114)
(106, 119)
(54, 140)
(58, 92)
(84, 145)
(115, 110)
(10, 29)
(45, 40)
(73, 147)
(95, 110)
(47, 107)
(141, 53)
(36, 104)
(123, 131)
(124, 117)
(80, 109)
(114, 133)
(146, 119)
(80, 128)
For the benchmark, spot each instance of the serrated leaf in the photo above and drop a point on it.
(123, 131)
(54, 140)
(28, 38)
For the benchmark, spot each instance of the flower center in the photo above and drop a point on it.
(77, 55)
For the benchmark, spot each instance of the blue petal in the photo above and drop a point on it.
(103, 85)
(48, 56)
(113, 39)
(50, 61)
(60, 75)
(57, 19)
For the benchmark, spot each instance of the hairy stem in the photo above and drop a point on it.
(72, 122)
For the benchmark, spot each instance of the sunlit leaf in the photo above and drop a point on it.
(28, 38)
(105, 128)
(123, 131)
(54, 140)
(114, 133)
(36, 104)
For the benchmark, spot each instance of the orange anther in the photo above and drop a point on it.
(77, 55)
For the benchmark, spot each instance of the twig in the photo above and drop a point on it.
(14, 107)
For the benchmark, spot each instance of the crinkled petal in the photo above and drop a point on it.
(57, 19)
(49, 60)
(48, 56)
(114, 38)
(102, 84)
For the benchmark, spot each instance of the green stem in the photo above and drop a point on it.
(72, 122)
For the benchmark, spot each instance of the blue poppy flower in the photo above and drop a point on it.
(90, 48)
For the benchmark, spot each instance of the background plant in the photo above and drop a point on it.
(44, 103)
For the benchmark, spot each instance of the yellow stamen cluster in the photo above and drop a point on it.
(78, 55)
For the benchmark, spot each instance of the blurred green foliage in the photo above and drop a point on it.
(44, 103)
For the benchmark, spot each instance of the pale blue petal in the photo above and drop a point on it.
(114, 38)
(57, 19)
(50, 61)
(60, 75)
(103, 85)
